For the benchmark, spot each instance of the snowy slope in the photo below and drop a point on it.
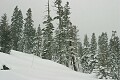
(28, 67)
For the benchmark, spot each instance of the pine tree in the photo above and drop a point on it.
(29, 32)
(65, 37)
(47, 36)
(67, 26)
(93, 46)
(93, 53)
(5, 35)
(16, 27)
(20, 30)
(73, 49)
(59, 35)
(114, 59)
(61, 40)
(85, 57)
(103, 55)
(37, 49)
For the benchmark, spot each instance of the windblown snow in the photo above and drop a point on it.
(29, 67)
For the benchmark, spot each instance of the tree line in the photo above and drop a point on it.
(62, 44)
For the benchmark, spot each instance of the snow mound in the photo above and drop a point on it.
(29, 67)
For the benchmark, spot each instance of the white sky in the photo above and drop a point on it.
(89, 15)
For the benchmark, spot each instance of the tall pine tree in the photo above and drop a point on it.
(114, 58)
(93, 52)
(103, 55)
(16, 28)
(85, 57)
(73, 47)
(29, 32)
(5, 35)
(47, 36)
(60, 34)
(37, 45)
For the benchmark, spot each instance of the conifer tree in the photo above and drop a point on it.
(114, 58)
(65, 37)
(29, 32)
(103, 54)
(47, 36)
(93, 46)
(67, 26)
(59, 32)
(73, 48)
(16, 27)
(93, 53)
(5, 35)
(37, 45)
(85, 57)
(20, 30)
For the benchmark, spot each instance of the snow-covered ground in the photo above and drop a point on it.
(28, 67)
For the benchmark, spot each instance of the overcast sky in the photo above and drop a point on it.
(89, 15)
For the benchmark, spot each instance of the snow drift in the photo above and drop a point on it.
(29, 67)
